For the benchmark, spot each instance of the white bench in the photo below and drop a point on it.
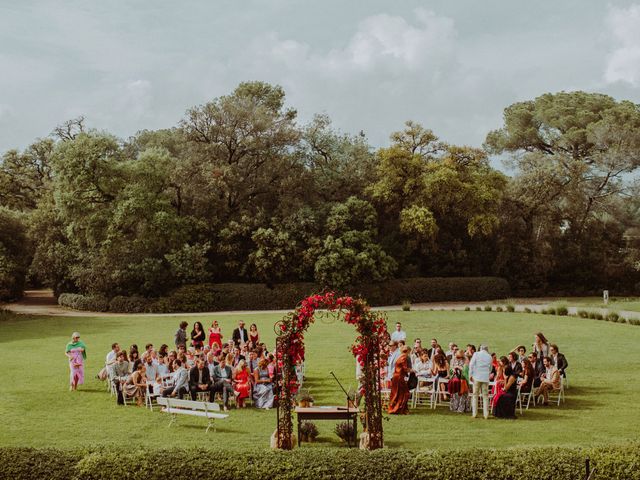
(175, 407)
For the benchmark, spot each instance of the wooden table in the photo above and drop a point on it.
(330, 413)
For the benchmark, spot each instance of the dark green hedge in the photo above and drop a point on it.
(246, 296)
(620, 462)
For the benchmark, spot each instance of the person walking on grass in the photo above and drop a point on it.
(76, 352)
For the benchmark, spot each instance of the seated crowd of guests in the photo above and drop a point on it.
(537, 372)
(237, 369)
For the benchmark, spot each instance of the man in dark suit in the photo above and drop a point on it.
(223, 381)
(240, 334)
(200, 380)
(559, 359)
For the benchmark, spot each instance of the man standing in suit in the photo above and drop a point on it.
(199, 380)
(240, 334)
(223, 381)
(559, 359)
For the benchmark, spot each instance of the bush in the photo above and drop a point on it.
(551, 311)
(562, 311)
(133, 304)
(93, 303)
(527, 310)
(208, 297)
(511, 308)
(613, 462)
(406, 305)
(613, 317)
(599, 316)
(583, 314)
(487, 308)
(467, 309)
(498, 308)
(478, 309)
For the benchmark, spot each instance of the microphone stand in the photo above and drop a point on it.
(342, 388)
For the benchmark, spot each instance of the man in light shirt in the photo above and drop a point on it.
(394, 353)
(399, 335)
(479, 370)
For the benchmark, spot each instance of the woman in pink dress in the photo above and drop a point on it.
(76, 353)
(241, 382)
(215, 335)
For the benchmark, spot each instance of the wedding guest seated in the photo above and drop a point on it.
(453, 348)
(151, 372)
(521, 350)
(200, 380)
(537, 369)
(120, 374)
(440, 369)
(422, 367)
(505, 402)
(558, 359)
(528, 375)
(163, 351)
(223, 381)
(136, 384)
(550, 380)
(180, 385)
(263, 387)
(253, 361)
(241, 382)
(514, 363)
(110, 359)
(147, 351)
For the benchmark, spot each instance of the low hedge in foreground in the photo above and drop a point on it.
(619, 462)
(245, 296)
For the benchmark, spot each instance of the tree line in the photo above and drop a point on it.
(239, 191)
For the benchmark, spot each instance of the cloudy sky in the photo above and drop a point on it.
(369, 64)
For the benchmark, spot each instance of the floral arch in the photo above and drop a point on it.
(367, 349)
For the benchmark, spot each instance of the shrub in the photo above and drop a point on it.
(583, 314)
(544, 311)
(527, 310)
(551, 311)
(487, 308)
(511, 308)
(613, 317)
(406, 305)
(562, 311)
(614, 462)
(599, 316)
(93, 303)
(467, 309)
(592, 315)
(135, 304)
(345, 431)
(498, 308)
(478, 309)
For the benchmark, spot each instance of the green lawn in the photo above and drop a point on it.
(38, 410)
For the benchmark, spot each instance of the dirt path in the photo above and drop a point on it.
(42, 302)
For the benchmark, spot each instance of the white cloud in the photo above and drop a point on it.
(624, 62)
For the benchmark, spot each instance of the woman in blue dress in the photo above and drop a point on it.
(263, 386)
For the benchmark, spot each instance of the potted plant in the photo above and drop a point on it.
(304, 398)
(308, 431)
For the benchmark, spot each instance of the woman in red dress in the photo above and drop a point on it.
(399, 397)
(215, 335)
(241, 382)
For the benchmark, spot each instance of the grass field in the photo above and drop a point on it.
(38, 410)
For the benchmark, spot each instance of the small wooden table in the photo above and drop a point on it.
(329, 413)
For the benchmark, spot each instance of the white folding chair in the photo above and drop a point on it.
(521, 397)
(437, 396)
(558, 392)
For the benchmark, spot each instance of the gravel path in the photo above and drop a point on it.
(42, 302)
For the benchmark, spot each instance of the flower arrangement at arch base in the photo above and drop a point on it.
(369, 349)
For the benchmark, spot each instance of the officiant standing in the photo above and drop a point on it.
(240, 334)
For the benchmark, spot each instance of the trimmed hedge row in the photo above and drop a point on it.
(245, 296)
(614, 462)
